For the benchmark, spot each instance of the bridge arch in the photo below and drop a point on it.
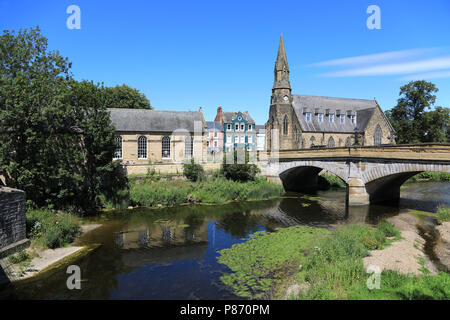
(383, 182)
(303, 175)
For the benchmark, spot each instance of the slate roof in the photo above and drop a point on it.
(230, 116)
(154, 120)
(317, 104)
(214, 126)
(260, 128)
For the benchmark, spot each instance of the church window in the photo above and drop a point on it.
(377, 136)
(342, 118)
(348, 142)
(165, 144)
(331, 117)
(118, 152)
(308, 116)
(285, 125)
(312, 139)
(320, 117)
(330, 143)
(188, 147)
(142, 147)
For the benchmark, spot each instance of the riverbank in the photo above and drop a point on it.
(334, 264)
(214, 190)
(38, 259)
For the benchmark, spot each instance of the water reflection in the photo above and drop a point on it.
(172, 253)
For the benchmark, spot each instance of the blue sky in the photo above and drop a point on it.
(187, 54)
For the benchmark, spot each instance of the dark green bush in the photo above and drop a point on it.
(239, 171)
(193, 171)
(52, 229)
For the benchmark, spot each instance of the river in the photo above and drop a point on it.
(171, 253)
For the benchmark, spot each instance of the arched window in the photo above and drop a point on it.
(330, 143)
(188, 147)
(377, 136)
(165, 147)
(348, 142)
(118, 152)
(142, 147)
(312, 139)
(285, 125)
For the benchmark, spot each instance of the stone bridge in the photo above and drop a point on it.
(372, 174)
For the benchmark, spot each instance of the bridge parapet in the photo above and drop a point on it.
(423, 152)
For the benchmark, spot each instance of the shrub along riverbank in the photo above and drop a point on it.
(323, 264)
(213, 190)
(49, 229)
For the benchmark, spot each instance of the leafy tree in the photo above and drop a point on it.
(436, 124)
(56, 138)
(407, 117)
(239, 171)
(126, 97)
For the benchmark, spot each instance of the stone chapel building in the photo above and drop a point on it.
(303, 121)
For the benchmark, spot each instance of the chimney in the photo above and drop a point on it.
(219, 115)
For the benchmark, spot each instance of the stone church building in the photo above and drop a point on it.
(303, 121)
(158, 139)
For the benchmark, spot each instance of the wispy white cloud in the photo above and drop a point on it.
(440, 63)
(375, 58)
(429, 75)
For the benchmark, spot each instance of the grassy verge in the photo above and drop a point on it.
(49, 229)
(212, 190)
(327, 264)
(443, 214)
(430, 176)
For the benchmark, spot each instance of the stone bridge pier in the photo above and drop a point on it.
(368, 180)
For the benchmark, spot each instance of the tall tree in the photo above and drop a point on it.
(56, 138)
(126, 97)
(436, 125)
(407, 117)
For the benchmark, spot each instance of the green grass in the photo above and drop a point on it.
(19, 257)
(213, 190)
(332, 181)
(329, 263)
(395, 286)
(443, 214)
(51, 229)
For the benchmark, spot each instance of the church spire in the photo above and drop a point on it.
(281, 77)
(281, 62)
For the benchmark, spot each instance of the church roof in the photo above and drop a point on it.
(230, 116)
(154, 120)
(363, 109)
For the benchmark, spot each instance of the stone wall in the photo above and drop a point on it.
(171, 168)
(12, 216)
